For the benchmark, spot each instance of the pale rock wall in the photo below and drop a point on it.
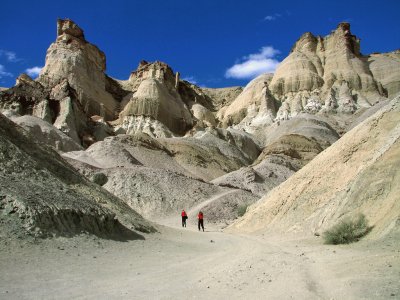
(205, 117)
(386, 69)
(256, 93)
(326, 75)
(44, 196)
(71, 57)
(222, 97)
(44, 132)
(330, 71)
(153, 99)
(143, 124)
(301, 70)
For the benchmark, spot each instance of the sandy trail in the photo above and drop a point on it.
(173, 265)
(185, 264)
(182, 263)
(175, 221)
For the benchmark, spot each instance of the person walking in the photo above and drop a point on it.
(200, 218)
(184, 218)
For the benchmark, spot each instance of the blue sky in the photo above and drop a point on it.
(212, 43)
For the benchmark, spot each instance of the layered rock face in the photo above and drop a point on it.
(254, 102)
(288, 148)
(161, 143)
(46, 133)
(223, 96)
(154, 95)
(73, 90)
(83, 65)
(320, 75)
(70, 89)
(327, 74)
(386, 69)
(204, 156)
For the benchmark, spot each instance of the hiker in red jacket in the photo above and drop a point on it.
(200, 219)
(184, 218)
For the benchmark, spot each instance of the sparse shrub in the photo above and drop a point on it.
(99, 178)
(242, 209)
(347, 231)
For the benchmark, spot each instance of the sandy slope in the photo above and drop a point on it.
(357, 174)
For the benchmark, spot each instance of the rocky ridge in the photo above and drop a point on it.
(45, 196)
(320, 76)
(161, 143)
(75, 95)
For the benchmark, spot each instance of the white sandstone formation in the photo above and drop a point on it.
(385, 68)
(320, 75)
(83, 65)
(254, 101)
(154, 96)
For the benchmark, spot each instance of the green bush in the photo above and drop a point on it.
(242, 210)
(99, 178)
(347, 231)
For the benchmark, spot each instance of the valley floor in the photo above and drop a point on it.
(186, 264)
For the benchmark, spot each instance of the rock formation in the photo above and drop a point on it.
(157, 177)
(254, 104)
(203, 157)
(357, 174)
(82, 65)
(222, 96)
(154, 95)
(160, 142)
(324, 70)
(320, 75)
(385, 68)
(40, 194)
(71, 88)
(288, 147)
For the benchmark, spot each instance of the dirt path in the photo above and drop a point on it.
(175, 265)
(182, 263)
(175, 221)
(185, 264)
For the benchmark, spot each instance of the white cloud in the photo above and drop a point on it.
(4, 73)
(269, 18)
(255, 64)
(272, 17)
(10, 56)
(33, 72)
